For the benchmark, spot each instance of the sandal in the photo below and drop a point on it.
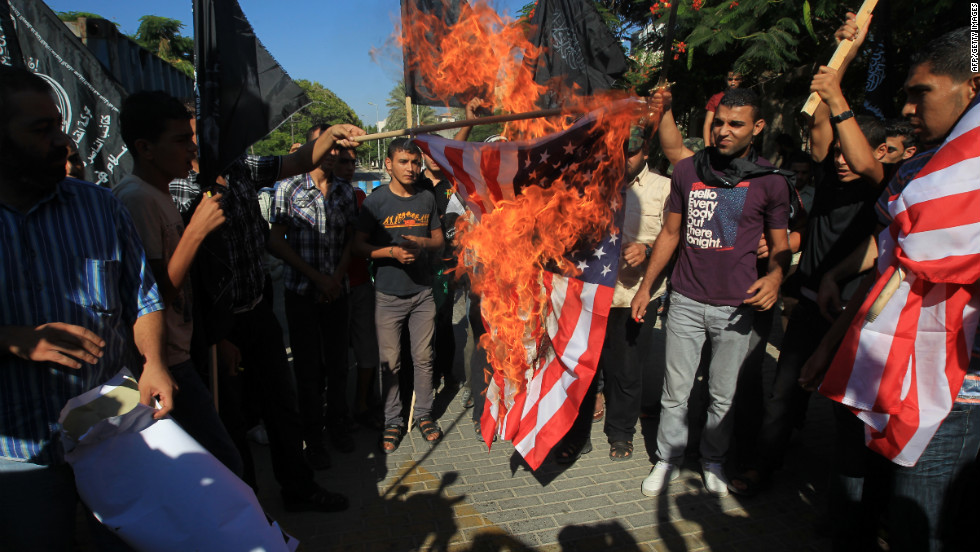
(568, 453)
(749, 483)
(429, 429)
(391, 437)
(600, 409)
(620, 450)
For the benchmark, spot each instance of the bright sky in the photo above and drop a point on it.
(321, 40)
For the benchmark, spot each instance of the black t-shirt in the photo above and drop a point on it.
(385, 218)
(841, 217)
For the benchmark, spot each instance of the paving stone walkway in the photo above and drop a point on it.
(459, 496)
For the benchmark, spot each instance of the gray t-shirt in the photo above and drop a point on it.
(385, 218)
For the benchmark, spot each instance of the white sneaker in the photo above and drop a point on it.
(660, 475)
(714, 478)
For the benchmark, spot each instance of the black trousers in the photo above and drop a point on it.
(318, 336)
(624, 364)
(265, 380)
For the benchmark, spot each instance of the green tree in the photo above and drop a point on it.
(325, 107)
(73, 15)
(161, 35)
(421, 114)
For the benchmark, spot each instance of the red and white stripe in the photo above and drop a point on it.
(538, 415)
(901, 373)
(483, 175)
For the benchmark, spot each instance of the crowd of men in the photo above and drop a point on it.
(163, 269)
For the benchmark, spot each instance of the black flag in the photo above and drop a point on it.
(577, 46)
(243, 93)
(32, 36)
(416, 87)
(878, 87)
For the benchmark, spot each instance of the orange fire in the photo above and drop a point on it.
(507, 252)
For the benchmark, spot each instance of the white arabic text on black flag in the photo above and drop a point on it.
(32, 36)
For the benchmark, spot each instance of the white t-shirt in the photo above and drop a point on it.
(160, 227)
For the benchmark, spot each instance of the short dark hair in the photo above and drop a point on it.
(900, 127)
(14, 80)
(738, 97)
(872, 128)
(144, 116)
(317, 127)
(947, 55)
(402, 144)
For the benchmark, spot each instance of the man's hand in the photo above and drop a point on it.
(64, 344)
(658, 104)
(764, 293)
(850, 31)
(328, 286)
(634, 254)
(208, 215)
(815, 368)
(413, 245)
(762, 251)
(826, 83)
(156, 383)
(344, 134)
(828, 298)
(473, 106)
(639, 304)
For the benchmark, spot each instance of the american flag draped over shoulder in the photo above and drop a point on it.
(536, 413)
(901, 372)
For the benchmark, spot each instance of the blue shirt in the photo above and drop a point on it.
(74, 257)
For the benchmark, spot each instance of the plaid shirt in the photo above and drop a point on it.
(245, 231)
(317, 228)
(74, 257)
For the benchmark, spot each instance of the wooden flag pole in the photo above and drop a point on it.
(426, 129)
(841, 53)
(408, 111)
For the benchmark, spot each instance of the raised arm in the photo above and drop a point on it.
(671, 140)
(471, 107)
(306, 158)
(821, 131)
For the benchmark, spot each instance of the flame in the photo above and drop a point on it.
(506, 253)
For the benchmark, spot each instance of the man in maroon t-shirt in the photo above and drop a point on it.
(723, 198)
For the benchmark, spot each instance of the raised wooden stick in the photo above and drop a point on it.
(843, 49)
(426, 129)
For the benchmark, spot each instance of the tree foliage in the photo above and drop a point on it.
(421, 114)
(69, 16)
(161, 35)
(325, 107)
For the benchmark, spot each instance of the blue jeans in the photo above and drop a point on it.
(925, 496)
(689, 324)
